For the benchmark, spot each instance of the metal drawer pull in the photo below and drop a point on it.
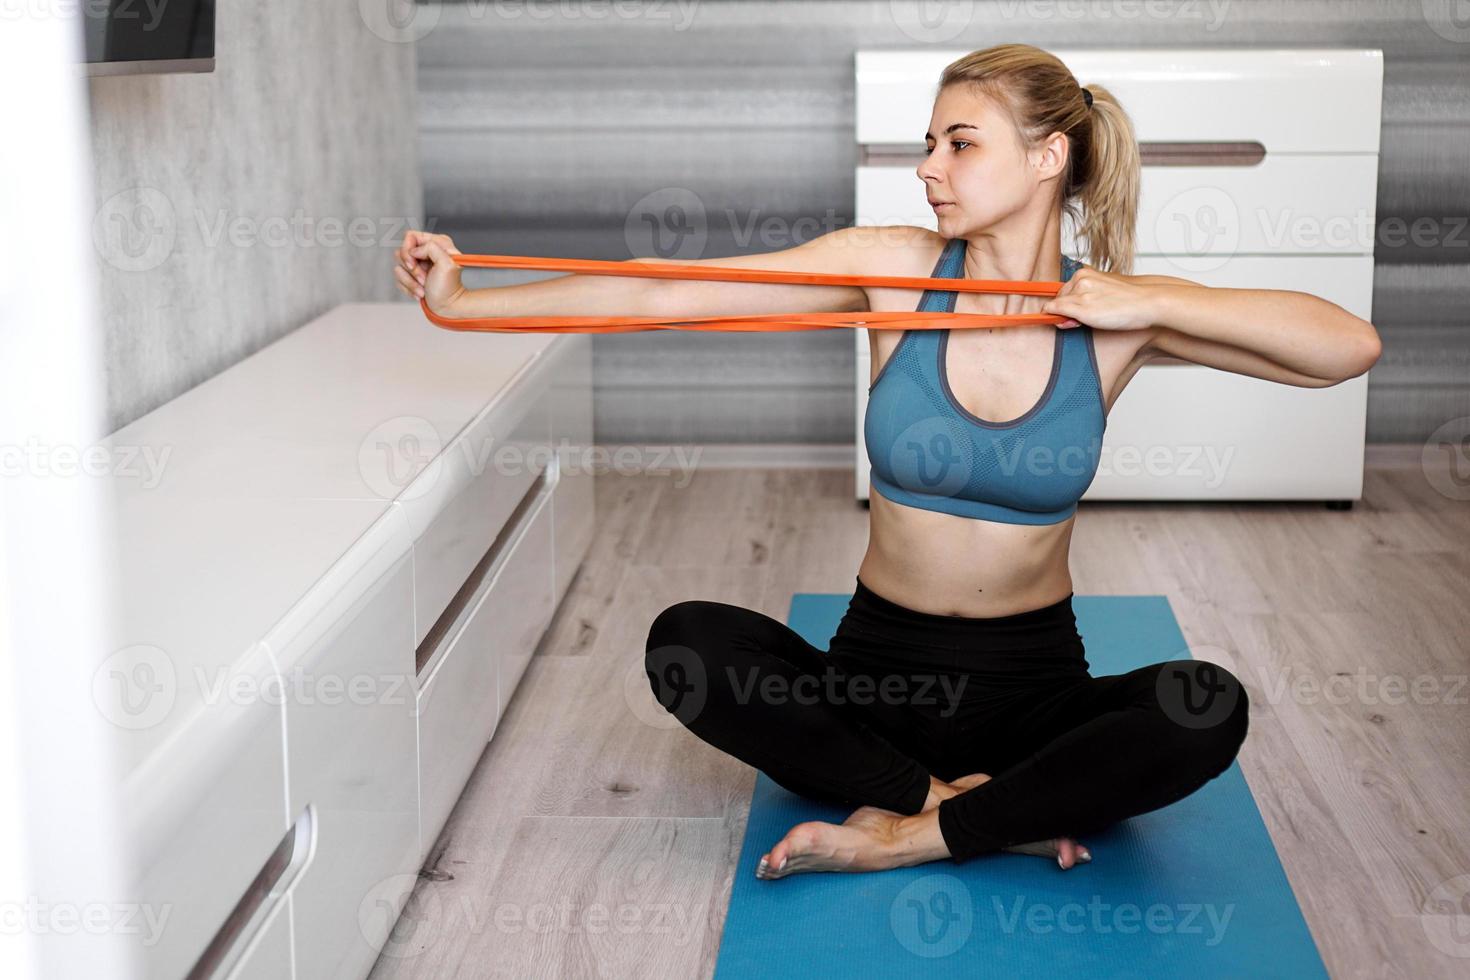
(1228, 153)
(484, 570)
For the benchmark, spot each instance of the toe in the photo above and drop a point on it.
(774, 864)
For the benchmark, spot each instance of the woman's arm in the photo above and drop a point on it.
(427, 269)
(1276, 334)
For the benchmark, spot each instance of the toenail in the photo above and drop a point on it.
(1060, 864)
(782, 865)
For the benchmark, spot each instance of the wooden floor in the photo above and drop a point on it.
(597, 838)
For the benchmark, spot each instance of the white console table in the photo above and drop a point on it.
(333, 562)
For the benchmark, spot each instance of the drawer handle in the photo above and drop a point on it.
(484, 569)
(1156, 153)
(271, 882)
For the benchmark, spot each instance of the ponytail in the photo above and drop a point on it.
(1100, 190)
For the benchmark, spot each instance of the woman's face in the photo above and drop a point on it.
(975, 163)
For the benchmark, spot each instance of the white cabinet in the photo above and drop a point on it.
(328, 596)
(1260, 171)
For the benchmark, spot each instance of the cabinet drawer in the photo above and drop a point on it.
(223, 782)
(465, 497)
(254, 941)
(345, 653)
(460, 696)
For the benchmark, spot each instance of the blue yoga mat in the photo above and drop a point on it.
(1191, 890)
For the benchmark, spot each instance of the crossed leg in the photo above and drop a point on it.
(754, 688)
(1084, 757)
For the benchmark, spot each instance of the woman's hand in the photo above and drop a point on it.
(1105, 301)
(424, 270)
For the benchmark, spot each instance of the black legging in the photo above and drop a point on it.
(902, 694)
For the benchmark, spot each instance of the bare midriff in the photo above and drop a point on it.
(941, 563)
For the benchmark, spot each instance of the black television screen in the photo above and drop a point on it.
(140, 36)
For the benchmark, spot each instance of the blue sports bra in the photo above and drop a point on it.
(927, 451)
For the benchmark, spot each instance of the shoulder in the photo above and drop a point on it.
(893, 250)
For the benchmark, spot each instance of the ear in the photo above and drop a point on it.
(1055, 150)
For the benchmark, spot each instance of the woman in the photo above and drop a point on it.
(954, 708)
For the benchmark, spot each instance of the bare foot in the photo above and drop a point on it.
(939, 791)
(1064, 850)
(869, 840)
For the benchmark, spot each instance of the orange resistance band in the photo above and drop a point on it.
(766, 322)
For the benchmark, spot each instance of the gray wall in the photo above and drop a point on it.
(553, 129)
(234, 206)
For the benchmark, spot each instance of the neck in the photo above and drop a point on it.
(1028, 251)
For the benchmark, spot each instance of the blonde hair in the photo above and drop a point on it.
(1101, 187)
